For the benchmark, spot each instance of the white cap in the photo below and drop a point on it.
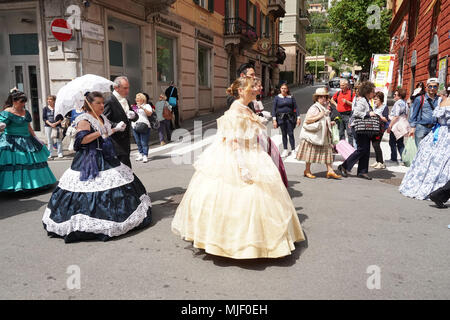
(433, 80)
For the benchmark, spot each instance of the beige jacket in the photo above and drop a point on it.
(322, 135)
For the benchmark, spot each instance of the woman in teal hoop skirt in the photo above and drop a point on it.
(23, 159)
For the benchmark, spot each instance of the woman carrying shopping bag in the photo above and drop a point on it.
(315, 138)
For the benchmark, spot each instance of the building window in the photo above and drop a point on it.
(281, 26)
(432, 66)
(23, 44)
(203, 66)
(115, 53)
(165, 58)
(207, 4)
(250, 14)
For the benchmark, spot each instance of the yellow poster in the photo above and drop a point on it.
(442, 73)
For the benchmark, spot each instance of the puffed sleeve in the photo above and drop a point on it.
(4, 117)
(234, 125)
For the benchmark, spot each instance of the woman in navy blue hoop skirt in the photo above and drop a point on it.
(98, 197)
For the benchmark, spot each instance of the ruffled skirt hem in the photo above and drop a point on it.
(284, 248)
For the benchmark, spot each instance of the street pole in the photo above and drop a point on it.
(317, 50)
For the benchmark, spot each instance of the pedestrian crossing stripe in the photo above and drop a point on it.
(182, 148)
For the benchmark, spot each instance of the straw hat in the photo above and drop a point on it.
(322, 91)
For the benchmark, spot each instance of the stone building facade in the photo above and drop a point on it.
(198, 44)
(293, 40)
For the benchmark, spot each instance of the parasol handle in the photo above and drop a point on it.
(92, 109)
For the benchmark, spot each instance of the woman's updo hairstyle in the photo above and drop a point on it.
(18, 95)
(245, 83)
(90, 97)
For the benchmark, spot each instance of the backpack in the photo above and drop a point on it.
(167, 114)
(422, 102)
(351, 94)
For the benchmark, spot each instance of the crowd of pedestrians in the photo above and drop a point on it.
(240, 175)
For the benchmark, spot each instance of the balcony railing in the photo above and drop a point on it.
(238, 27)
(305, 17)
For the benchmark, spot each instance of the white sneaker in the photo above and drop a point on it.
(380, 165)
(139, 158)
(373, 165)
(144, 159)
(60, 155)
(284, 154)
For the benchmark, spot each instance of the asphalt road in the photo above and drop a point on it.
(365, 241)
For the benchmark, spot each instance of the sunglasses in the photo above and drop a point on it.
(432, 87)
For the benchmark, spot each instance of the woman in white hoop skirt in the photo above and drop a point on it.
(98, 197)
(236, 204)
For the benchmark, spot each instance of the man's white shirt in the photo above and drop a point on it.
(123, 101)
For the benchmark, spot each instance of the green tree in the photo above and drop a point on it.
(322, 43)
(348, 20)
(319, 21)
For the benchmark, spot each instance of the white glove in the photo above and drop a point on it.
(244, 172)
(121, 126)
(2, 125)
(245, 175)
(131, 114)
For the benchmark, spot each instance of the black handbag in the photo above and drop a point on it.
(154, 123)
(368, 126)
(141, 127)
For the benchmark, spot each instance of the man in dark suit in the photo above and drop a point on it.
(118, 108)
(245, 70)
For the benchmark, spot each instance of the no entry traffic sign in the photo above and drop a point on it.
(61, 30)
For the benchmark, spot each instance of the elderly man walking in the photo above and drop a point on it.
(342, 100)
(421, 117)
(117, 108)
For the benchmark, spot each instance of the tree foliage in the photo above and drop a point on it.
(322, 43)
(348, 20)
(319, 21)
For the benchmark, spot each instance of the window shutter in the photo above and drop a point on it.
(267, 27)
(254, 16)
(261, 21)
(236, 7)
(227, 7)
(211, 5)
(247, 11)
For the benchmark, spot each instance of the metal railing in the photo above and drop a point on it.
(237, 26)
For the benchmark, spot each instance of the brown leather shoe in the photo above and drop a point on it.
(309, 175)
(333, 175)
